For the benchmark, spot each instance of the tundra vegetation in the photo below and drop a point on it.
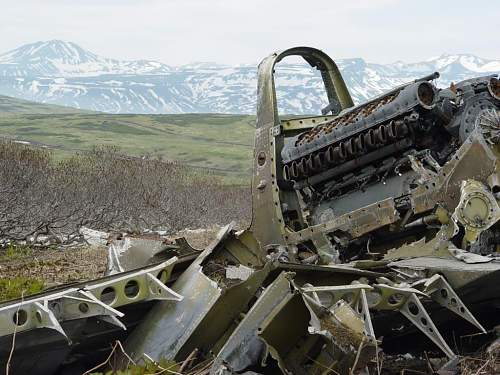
(220, 142)
(104, 189)
(46, 200)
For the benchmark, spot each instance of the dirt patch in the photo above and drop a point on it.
(199, 238)
(56, 267)
(50, 267)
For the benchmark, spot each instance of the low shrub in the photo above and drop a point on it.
(104, 189)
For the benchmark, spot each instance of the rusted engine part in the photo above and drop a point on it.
(361, 140)
(399, 173)
(412, 198)
(56, 326)
(368, 129)
(476, 212)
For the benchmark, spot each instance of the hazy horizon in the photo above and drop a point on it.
(245, 63)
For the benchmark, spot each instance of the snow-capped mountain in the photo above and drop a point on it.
(57, 58)
(63, 73)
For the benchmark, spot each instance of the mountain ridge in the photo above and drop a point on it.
(63, 73)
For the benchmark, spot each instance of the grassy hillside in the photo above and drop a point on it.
(220, 142)
(10, 105)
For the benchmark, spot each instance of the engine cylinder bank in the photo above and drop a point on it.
(359, 130)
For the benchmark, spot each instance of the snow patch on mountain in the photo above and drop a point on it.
(63, 73)
(59, 58)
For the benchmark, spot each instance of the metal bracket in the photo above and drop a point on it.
(275, 131)
(363, 310)
(349, 293)
(393, 297)
(98, 302)
(440, 291)
(88, 300)
(357, 300)
(415, 312)
(159, 291)
(45, 318)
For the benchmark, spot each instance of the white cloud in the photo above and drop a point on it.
(232, 31)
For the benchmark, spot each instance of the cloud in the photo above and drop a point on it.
(232, 31)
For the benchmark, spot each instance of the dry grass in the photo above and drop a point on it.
(33, 269)
(56, 267)
(488, 363)
(199, 238)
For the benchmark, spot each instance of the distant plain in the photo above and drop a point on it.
(219, 142)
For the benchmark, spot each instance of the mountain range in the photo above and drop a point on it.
(63, 73)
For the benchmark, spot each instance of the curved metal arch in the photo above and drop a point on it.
(267, 223)
(267, 107)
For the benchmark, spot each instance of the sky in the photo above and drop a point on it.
(238, 32)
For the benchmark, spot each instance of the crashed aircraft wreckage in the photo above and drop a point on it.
(374, 228)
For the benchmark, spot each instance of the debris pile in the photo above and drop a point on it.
(374, 238)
